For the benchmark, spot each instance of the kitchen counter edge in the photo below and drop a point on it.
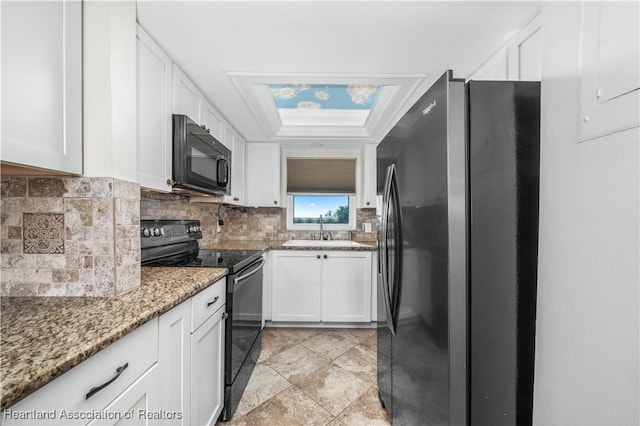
(267, 245)
(43, 337)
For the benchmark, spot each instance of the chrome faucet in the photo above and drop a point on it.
(322, 235)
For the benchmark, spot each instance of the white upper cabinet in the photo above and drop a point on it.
(154, 108)
(609, 69)
(496, 68)
(236, 144)
(368, 172)
(263, 174)
(187, 99)
(520, 59)
(42, 84)
(524, 53)
(212, 120)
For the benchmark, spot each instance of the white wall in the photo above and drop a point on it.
(588, 287)
(109, 89)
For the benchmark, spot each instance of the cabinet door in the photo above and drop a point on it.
(138, 404)
(237, 167)
(120, 366)
(42, 84)
(495, 68)
(212, 120)
(154, 89)
(175, 362)
(525, 53)
(187, 99)
(346, 280)
(368, 176)
(263, 174)
(296, 286)
(207, 370)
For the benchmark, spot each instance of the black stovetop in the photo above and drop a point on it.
(175, 243)
(234, 260)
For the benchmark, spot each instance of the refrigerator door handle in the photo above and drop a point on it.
(396, 285)
(384, 250)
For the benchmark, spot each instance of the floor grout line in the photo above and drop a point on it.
(278, 334)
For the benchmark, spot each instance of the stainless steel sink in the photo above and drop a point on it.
(323, 243)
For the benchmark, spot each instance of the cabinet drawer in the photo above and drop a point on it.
(205, 303)
(68, 393)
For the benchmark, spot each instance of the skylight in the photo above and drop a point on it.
(338, 110)
(324, 104)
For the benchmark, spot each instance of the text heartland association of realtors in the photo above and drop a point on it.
(91, 415)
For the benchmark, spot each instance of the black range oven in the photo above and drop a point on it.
(175, 243)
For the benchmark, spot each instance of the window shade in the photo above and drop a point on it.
(321, 175)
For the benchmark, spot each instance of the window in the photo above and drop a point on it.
(321, 186)
(337, 211)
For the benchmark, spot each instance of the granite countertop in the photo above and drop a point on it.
(279, 245)
(43, 337)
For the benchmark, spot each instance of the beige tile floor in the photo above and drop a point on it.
(308, 376)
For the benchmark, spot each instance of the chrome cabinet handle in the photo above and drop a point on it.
(215, 299)
(97, 389)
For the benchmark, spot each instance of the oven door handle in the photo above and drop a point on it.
(245, 276)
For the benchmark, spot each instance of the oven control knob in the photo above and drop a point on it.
(157, 232)
(146, 232)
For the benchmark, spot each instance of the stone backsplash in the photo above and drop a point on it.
(158, 206)
(271, 224)
(66, 236)
(240, 223)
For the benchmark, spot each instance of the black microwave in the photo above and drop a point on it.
(201, 163)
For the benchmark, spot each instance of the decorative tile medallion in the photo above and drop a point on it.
(43, 233)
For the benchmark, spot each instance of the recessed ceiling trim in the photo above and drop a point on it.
(394, 90)
(314, 117)
(322, 133)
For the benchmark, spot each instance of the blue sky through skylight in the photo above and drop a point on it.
(324, 96)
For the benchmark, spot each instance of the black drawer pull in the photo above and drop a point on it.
(215, 299)
(97, 389)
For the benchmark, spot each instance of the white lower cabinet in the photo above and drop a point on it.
(175, 363)
(347, 287)
(192, 358)
(207, 370)
(121, 375)
(169, 371)
(137, 405)
(296, 286)
(327, 286)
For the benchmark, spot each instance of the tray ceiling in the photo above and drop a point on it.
(234, 50)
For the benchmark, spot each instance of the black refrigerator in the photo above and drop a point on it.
(458, 181)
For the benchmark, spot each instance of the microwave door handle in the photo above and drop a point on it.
(224, 179)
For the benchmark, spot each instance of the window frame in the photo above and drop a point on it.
(351, 226)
